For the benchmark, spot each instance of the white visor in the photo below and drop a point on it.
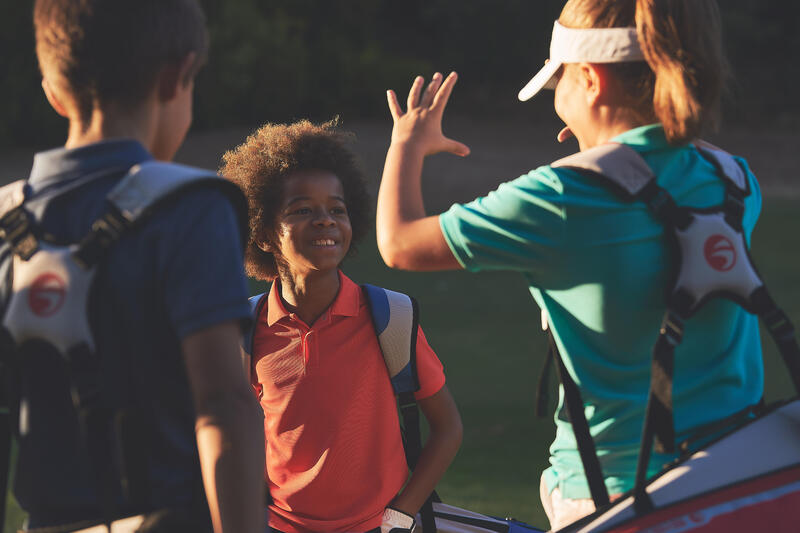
(588, 45)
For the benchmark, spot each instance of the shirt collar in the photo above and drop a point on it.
(63, 164)
(346, 303)
(650, 137)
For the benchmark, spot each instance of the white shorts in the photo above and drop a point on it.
(563, 511)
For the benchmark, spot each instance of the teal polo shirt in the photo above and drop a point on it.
(599, 268)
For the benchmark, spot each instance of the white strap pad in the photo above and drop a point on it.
(149, 182)
(618, 163)
(731, 170)
(11, 196)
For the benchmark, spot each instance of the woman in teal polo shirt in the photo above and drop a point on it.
(647, 74)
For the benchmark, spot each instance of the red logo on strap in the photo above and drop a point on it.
(720, 253)
(47, 294)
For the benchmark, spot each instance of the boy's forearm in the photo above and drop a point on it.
(230, 445)
(434, 460)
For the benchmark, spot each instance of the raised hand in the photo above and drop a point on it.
(421, 125)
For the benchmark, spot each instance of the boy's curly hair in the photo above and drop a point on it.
(261, 165)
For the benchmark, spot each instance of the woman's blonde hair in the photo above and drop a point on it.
(682, 82)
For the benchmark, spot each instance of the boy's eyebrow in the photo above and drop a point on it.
(303, 198)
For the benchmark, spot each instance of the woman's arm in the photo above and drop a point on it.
(408, 239)
(443, 442)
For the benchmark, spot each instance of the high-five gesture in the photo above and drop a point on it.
(421, 124)
(407, 238)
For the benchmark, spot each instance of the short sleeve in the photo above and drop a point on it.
(201, 263)
(429, 369)
(519, 226)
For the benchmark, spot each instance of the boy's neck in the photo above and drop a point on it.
(309, 296)
(103, 125)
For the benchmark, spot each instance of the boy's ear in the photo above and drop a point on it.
(175, 76)
(55, 103)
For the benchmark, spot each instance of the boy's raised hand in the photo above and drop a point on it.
(421, 124)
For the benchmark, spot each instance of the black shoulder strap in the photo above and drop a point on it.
(575, 410)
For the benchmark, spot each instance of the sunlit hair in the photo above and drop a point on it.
(101, 52)
(261, 165)
(681, 84)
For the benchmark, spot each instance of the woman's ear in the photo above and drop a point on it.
(594, 78)
(265, 246)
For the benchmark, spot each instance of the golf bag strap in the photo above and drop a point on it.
(257, 304)
(7, 400)
(137, 195)
(781, 330)
(543, 384)
(395, 317)
(586, 449)
(659, 419)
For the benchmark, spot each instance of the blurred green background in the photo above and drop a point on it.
(286, 59)
(283, 59)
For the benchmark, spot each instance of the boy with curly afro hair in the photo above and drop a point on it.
(333, 446)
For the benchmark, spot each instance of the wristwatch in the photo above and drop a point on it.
(395, 521)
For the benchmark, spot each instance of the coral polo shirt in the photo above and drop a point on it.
(334, 453)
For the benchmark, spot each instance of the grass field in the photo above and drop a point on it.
(485, 328)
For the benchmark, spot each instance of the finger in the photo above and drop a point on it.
(565, 134)
(413, 94)
(394, 105)
(457, 148)
(443, 94)
(430, 92)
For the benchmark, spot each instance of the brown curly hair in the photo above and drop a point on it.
(261, 165)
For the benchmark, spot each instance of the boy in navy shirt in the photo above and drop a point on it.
(168, 299)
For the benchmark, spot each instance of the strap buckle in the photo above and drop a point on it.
(672, 328)
(16, 227)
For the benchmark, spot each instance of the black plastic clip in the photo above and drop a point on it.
(672, 328)
(16, 228)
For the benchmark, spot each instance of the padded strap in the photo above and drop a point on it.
(257, 303)
(395, 316)
(619, 165)
(11, 196)
(727, 167)
(138, 193)
(149, 182)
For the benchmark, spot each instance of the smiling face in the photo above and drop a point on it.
(313, 229)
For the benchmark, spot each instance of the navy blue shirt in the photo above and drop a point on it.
(179, 272)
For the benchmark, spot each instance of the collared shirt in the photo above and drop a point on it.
(599, 267)
(333, 447)
(180, 271)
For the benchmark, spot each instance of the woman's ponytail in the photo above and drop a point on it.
(681, 41)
